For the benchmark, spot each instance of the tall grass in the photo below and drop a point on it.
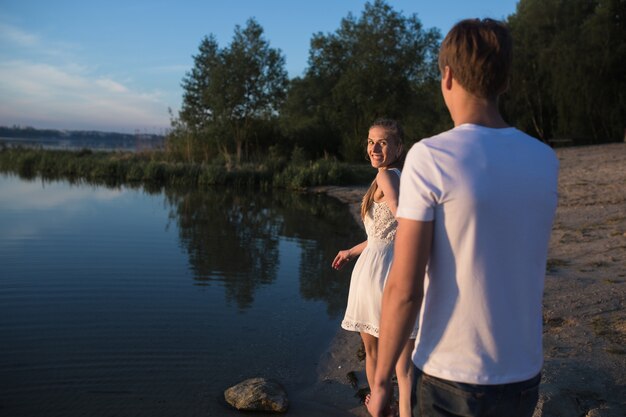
(155, 169)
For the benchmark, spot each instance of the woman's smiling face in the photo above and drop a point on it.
(381, 149)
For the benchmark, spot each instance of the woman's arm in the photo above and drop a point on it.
(389, 184)
(344, 256)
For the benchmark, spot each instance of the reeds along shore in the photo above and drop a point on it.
(154, 169)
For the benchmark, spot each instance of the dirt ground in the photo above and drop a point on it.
(584, 302)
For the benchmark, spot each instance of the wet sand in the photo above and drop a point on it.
(584, 301)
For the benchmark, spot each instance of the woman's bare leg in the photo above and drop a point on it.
(371, 354)
(404, 373)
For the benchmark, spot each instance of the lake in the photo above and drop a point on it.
(150, 302)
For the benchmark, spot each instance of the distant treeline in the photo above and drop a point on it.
(28, 132)
(78, 139)
(568, 84)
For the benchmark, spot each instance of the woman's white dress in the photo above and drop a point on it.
(370, 272)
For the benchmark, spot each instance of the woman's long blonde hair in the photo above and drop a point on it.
(394, 131)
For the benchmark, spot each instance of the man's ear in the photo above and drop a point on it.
(447, 78)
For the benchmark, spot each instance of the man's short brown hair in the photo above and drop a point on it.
(479, 54)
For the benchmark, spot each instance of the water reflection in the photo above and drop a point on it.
(38, 194)
(234, 237)
(151, 302)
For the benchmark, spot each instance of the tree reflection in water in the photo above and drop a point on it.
(233, 238)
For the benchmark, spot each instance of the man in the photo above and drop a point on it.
(475, 214)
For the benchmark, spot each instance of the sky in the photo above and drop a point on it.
(117, 65)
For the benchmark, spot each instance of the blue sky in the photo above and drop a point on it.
(117, 65)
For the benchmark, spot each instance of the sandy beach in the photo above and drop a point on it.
(584, 301)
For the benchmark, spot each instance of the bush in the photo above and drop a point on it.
(135, 173)
(155, 172)
(212, 175)
(321, 172)
(27, 166)
(152, 169)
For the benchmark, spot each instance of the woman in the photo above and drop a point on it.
(386, 154)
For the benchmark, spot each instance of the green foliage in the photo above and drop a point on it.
(315, 173)
(153, 170)
(229, 96)
(212, 175)
(568, 77)
(135, 173)
(321, 172)
(243, 122)
(380, 64)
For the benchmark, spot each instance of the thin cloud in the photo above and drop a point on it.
(169, 69)
(16, 36)
(54, 89)
(37, 80)
(21, 42)
(111, 85)
(47, 93)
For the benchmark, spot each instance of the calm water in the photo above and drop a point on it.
(128, 302)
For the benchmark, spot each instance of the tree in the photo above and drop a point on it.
(230, 90)
(604, 40)
(306, 119)
(568, 76)
(529, 103)
(376, 65)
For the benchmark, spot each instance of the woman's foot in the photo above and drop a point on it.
(392, 408)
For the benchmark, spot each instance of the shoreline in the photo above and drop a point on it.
(584, 313)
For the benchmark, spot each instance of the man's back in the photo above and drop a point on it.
(492, 195)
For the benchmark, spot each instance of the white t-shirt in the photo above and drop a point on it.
(492, 194)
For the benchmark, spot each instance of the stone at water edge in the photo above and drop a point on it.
(257, 394)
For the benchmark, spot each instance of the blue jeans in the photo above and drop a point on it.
(435, 397)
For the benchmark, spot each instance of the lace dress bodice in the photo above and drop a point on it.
(380, 223)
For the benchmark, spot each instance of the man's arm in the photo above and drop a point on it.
(402, 300)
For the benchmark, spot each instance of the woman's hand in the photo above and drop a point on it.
(342, 258)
